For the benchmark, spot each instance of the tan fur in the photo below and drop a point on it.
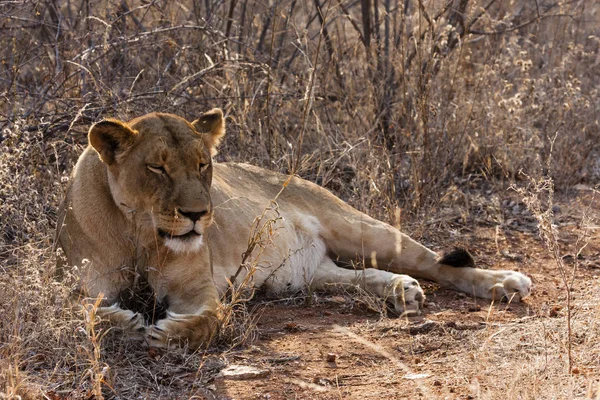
(146, 202)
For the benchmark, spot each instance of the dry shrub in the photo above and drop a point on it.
(37, 328)
(430, 91)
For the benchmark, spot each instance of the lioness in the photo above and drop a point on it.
(146, 200)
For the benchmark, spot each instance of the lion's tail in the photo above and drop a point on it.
(458, 258)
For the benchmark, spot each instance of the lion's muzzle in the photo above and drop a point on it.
(183, 231)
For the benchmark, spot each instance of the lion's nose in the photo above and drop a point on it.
(419, 297)
(193, 215)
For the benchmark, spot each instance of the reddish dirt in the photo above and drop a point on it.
(375, 358)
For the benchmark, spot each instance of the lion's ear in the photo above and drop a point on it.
(212, 127)
(109, 137)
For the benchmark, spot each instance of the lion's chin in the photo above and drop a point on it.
(188, 243)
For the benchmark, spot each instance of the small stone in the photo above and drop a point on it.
(292, 327)
(581, 187)
(554, 312)
(242, 372)
(331, 357)
(412, 376)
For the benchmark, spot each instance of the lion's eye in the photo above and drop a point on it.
(203, 167)
(157, 169)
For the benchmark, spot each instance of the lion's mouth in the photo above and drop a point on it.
(168, 235)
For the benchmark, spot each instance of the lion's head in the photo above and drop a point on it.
(160, 171)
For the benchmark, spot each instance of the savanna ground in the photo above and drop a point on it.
(464, 123)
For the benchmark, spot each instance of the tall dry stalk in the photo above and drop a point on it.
(97, 371)
(237, 326)
(538, 196)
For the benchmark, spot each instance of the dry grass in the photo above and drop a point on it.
(407, 110)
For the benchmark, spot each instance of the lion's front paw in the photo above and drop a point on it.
(406, 295)
(510, 285)
(121, 318)
(195, 330)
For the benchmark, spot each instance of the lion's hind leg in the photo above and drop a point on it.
(401, 291)
(456, 270)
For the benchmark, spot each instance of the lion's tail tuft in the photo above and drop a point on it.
(459, 258)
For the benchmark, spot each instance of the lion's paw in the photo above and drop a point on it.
(195, 330)
(510, 285)
(406, 295)
(122, 318)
